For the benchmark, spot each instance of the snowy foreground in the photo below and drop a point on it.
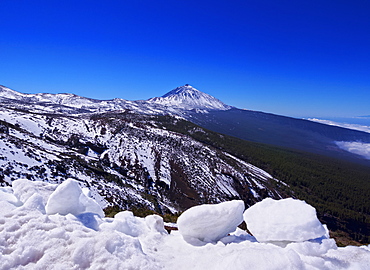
(46, 226)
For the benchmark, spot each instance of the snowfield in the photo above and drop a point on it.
(49, 226)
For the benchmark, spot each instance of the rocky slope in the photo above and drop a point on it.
(128, 159)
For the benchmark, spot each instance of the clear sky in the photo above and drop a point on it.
(296, 58)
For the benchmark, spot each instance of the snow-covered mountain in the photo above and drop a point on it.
(127, 159)
(122, 151)
(178, 101)
(188, 98)
(156, 154)
(208, 112)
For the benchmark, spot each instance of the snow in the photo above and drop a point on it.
(189, 98)
(283, 220)
(42, 144)
(209, 223)
(69, 198)
(176, 101)
(155, 223)
(31, 238)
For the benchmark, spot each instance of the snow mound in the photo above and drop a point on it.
(76, 236)
(155, 223)
(283, 220)
(209, 223)
(69, 198)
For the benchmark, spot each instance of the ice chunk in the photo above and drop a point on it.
(283, 220)
(209, 223)
(155, 224)
(65, 199)
(68, 198)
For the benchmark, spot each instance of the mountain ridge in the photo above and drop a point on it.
(178, 100)
(204, 110)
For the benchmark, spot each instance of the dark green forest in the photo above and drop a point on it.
(338, 189)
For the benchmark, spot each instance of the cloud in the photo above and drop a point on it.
(344, 125)
(359, 148)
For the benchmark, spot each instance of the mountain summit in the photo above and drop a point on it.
(187, 97)
(177, 101)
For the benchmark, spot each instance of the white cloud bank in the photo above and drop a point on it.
(344, 125)
(359, 148)
(37, 233)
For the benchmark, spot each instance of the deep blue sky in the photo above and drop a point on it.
(296, 58)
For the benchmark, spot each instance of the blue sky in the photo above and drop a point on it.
(296, 58)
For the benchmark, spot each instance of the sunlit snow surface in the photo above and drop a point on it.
(299, 223)
(194, 223)
(32, 239)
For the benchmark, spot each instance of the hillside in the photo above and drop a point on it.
(283, 131)
(336, 188)
(148, 155)
(127, 159)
